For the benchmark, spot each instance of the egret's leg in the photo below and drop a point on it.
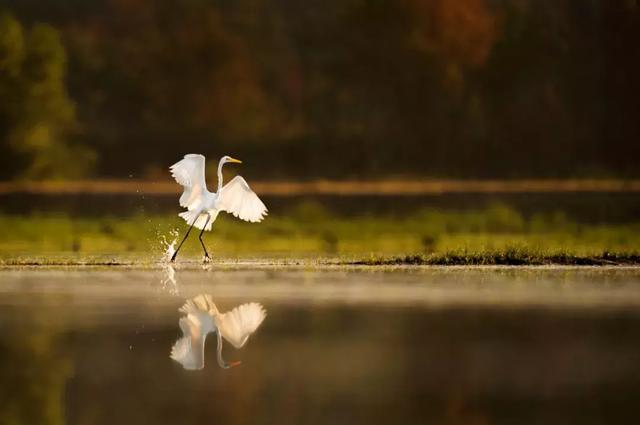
(173, 257)
(206, 254)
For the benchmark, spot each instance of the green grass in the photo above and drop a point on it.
(506, 257)
(495, 235)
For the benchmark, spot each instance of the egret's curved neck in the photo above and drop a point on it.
(221, 361)
(220, 164)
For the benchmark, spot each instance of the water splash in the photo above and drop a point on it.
(168, 254)
(168, 248)
(168, 281)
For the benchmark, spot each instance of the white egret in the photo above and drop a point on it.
(201, 318)
(236, 197)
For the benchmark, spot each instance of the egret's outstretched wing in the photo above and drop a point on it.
(198, 322)
(189, 350)
(189, 172)
(236, 325)
(237, 198)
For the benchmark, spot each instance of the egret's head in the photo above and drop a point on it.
(227, 158)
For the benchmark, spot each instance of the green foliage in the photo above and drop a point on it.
(310, 229)
(505, 257)
(37, 118)
(11, 47)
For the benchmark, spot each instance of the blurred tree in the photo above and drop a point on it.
(37, 117)
(343, 88)
(159, 75)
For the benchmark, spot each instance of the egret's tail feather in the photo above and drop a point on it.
(200, 219)
(181, 349)
(198, 304)
(183, 353)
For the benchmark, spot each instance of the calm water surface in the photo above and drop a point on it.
(442, 346)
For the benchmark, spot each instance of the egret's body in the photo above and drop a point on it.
(203, 207)
(201, 318)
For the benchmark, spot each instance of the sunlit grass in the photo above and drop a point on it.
(310, 230)
(505, 257)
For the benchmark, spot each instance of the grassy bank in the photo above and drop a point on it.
(506, 257)
(495, 235)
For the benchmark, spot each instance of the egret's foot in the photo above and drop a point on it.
(206, 259)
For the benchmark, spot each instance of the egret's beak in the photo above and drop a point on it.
(237, 161)
(234, 364)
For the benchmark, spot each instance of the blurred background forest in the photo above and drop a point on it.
(329, 89)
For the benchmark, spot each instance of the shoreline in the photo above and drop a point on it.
(489, 260)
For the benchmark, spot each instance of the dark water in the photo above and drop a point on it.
(446, 346)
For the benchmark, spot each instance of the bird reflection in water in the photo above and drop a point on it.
(201, 318)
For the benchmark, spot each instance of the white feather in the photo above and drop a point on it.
(203, 206)
(202, 317)
(189, 350)
(238, 324)
(237, 198)
(198, 322)
(200, 218)
(189, 172)
(199, 305)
